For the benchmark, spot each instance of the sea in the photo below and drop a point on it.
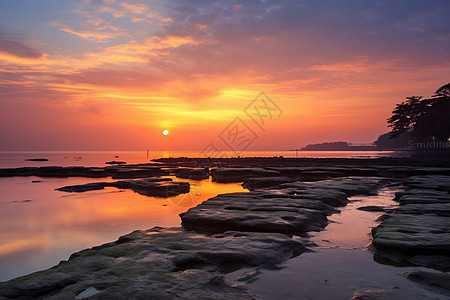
(40, 226)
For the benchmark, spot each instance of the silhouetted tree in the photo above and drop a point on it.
(405, 115)
(435, 122)
(386, 142)
(423, 118)
(443, 91)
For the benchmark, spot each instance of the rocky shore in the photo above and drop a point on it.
(152, 186)
(287, 199)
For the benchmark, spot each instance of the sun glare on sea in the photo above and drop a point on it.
(165, 132)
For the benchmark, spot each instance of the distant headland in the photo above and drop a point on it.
(339, 146)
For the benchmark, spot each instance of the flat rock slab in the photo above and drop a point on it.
(432, 279)
(440, 209)
(353, 185)
(192, 173)
(419, 230)
(309, 174)
(157, 264)
(227, 175)
(289, 208)
(422, 196)
(116, 171)
(259, 212)
(417, 239)
(434, 182)
(155, 187)
(54, 171)
(265, 182)
(393, 293)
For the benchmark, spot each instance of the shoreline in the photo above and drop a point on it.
(305, 192)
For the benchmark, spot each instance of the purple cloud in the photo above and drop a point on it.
(19, 49)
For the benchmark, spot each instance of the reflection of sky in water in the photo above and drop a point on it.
(39, 233)
(341, 264)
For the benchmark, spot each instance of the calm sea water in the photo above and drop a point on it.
(40, 226)
(98, 158)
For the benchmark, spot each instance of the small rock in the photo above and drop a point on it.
(115, 162)
(36, 159)
(372, 208)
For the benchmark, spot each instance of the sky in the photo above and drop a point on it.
(227, 75)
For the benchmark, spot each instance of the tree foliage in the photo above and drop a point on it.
(423, 118)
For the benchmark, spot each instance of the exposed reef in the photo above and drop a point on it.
(36, 159)
(156, 187)
(418, 231)
(258, 229)
(115, 172)
(284, 206)
(157, 263)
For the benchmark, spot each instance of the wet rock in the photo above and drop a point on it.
(372, 295)
(351, 186)
(250, 276)
(227, 175)
(434, 182)
(117, 172)
(408, 171)
(290, 208)
(417, 239)
(156, 187)
(258, 212)
(419, 192)
(440, 209)
(264, 182)
(84, 187)
(328, 196)
(157, 264)
(115, 162)
(439, 280)
(419, 231)
(308, 174)
(372, 208)
(128, 172)
(192, 173)
(423, 197)
(36, 159)
(54, 171)
(388, 294)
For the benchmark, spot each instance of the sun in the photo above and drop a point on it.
(165, 132)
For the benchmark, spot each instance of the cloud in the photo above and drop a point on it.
(325, 57)
(319, 30)
(98, 35)
(19, 49)
(135, 8)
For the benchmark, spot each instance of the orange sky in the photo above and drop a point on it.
(112, 74)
